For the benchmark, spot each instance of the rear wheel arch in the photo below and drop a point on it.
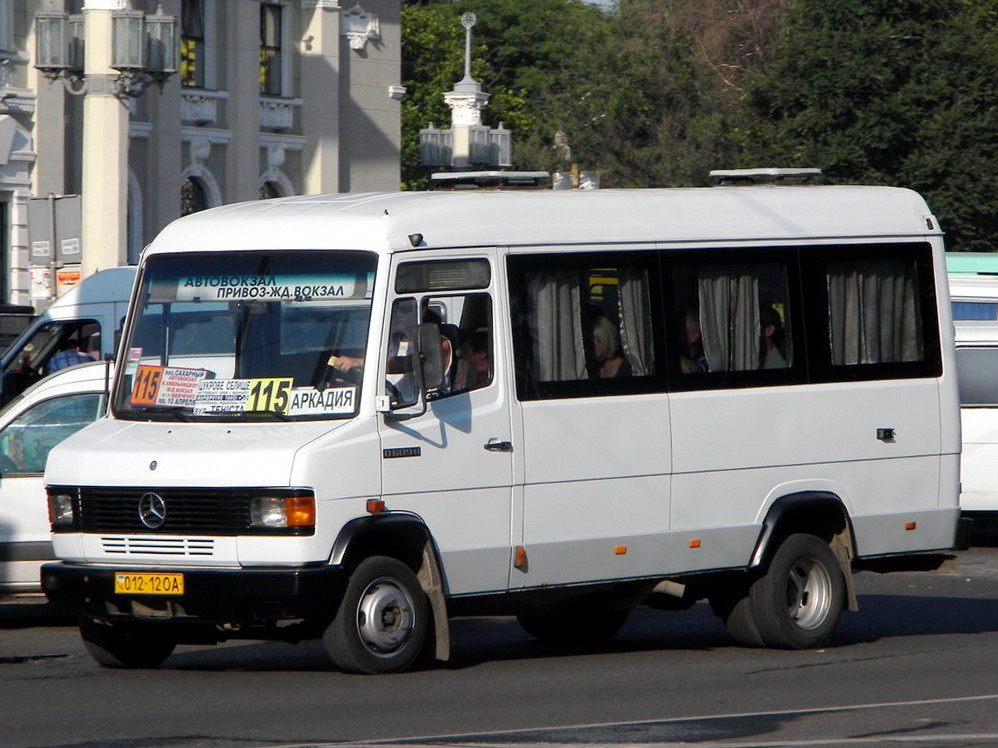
(819, 513)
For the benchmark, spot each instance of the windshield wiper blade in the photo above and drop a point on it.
(175, 413)
(271, 413)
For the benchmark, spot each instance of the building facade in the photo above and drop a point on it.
(271, 98)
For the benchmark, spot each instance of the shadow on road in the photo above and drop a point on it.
(478, 640)
(23, 613)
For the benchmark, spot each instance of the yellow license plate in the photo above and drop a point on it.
(144, 583)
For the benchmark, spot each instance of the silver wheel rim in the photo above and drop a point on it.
(809, 593)
(385, 616)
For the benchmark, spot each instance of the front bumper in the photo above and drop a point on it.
(221, 597)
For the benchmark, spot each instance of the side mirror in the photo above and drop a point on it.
(431, 359)
(425, 368)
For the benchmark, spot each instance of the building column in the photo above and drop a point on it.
(105, 147)
(242, 162)
(320, 113)
(164, 157)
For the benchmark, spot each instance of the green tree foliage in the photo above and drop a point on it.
(658, 92)
(896, 92)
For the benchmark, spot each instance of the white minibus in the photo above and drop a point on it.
(87, 318)
(974, 294)
(351, 417)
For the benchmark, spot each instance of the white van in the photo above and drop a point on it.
(975, 318)
(30, 425)
(87, 316)
(353, 416)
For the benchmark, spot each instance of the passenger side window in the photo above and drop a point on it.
(875, 305)
(874, 314)
(27, 440)
(585, 324)
(734, 321)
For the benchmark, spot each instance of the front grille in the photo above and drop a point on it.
(189, 511)
(146, 545)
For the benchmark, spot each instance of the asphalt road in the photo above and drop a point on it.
(916, 665)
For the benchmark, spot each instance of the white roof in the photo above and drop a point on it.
(385, 221)
(113, 284)
(973, 287)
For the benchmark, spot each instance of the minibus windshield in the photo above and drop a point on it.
(247, 336)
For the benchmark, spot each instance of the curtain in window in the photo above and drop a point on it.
(729, 318)
(556, 326)
(635, 321)
(873, 312)
(192, 18)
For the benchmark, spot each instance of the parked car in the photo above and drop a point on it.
(30, 425)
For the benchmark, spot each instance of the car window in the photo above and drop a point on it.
(26, 441)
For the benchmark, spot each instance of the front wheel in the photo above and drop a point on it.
(382, 620)
(125, 645)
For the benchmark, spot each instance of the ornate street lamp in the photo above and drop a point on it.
(144, 50)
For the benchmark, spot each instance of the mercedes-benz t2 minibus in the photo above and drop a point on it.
(350, 417)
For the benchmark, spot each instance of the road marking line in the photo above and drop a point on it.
(436, 740)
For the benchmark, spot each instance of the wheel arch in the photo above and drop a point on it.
(406, 538)
(820, 513)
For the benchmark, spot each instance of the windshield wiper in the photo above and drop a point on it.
(175, 413)
(271, 413)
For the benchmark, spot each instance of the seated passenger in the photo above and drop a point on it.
(772, 339)
(693, 360)
(606, 347)
(448, 356)
(69, 355)
(473, 368)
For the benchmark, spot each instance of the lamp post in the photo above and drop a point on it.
(108, 54)
(143, 49)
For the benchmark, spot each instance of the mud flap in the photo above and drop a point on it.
(841, 546)
(430, 581)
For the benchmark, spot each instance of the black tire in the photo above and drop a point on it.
(125, 645)
(382, 620)
(797, 603)
(734, 607)
(574, 626)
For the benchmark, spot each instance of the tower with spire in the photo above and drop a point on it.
(467, 144)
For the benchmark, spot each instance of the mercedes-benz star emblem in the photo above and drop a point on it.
(152, 510)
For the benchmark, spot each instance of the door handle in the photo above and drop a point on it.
(494, 445)
(886, 435)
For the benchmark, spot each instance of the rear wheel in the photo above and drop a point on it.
(125, 645)
(796, 604)
(382, 620)
(574, 626)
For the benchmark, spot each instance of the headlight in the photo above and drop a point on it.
(61, 514)
(282, 511)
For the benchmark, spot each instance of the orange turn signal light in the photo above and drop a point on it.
(909, 526)
(300, 511)
(376, 506)
(520, 560)
(620, 550)
(695, 543)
